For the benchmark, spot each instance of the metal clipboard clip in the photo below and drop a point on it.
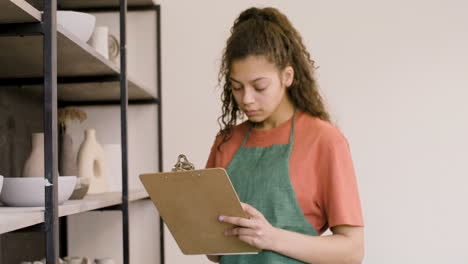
(183, 164)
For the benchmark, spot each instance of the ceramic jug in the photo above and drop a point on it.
(91, 163)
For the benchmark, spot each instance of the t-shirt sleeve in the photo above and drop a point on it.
(211, 162)
(340, 192)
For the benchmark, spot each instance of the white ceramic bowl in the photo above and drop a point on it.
(21, 192)
(78, 23)
(1, 183)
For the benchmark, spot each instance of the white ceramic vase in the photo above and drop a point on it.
(92, 164)
(34, 166)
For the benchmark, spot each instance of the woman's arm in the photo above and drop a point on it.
(345, 246)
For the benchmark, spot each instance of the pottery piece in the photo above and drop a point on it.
(1, 183)
(81, 189)
(77, 260)
(91, 163)
(114, 48)
(104, 261)
(42, 261)
(100, 40)
(67, 164)
(29, 192)
(34, 165)
(78, 23)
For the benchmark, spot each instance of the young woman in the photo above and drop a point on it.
(290, 166)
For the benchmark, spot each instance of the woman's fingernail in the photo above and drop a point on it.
(221, 218)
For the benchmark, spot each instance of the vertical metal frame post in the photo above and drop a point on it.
(123, 128)
(50, 131)
(160, 130)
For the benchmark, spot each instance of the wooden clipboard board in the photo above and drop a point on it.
(190, 203)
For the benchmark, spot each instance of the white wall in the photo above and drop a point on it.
(394, 74)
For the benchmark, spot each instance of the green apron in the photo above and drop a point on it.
(261, 178)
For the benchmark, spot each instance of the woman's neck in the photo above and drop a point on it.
(283, 113)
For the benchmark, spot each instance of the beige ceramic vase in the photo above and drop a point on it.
(34, 166)
(91, 163)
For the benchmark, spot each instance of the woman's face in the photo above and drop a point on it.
(259, 88)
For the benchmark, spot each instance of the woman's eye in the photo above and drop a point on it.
(261, 85)
(260, 88)
(236, 88)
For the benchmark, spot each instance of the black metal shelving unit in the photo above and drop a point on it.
(55, 233)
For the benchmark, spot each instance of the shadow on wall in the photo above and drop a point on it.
(20, 115)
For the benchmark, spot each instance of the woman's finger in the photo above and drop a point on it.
(239, 221)
(251, 210)
(240, 232)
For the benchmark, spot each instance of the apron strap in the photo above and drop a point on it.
(291, 135)
(246, 135)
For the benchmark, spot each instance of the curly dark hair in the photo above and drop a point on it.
(267, 32)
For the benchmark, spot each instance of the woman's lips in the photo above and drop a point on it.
(251, 113)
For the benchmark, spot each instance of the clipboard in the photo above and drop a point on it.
(190, 203)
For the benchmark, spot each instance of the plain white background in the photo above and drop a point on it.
(395, 78)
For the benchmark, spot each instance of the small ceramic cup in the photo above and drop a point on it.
(100, 40)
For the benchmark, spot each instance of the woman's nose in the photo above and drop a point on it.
(248, 97)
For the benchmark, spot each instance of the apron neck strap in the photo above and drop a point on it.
(291, 134)
(246, 135)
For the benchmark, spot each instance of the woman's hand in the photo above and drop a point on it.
(256, 230)
(346, 245)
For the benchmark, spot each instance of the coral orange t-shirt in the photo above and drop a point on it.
(321, 168)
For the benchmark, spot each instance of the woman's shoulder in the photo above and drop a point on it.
(318, 129)
(236, 134)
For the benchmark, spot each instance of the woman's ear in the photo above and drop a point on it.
(288, 76)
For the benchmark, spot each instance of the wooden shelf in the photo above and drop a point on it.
(89, 4)
(107, 91)
(14, 218)
(21, 57)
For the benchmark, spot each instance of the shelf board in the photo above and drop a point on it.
(14, 218)
(22, 57)
(18, 11)
(93, 92)
(107, 91)
(89, 4)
